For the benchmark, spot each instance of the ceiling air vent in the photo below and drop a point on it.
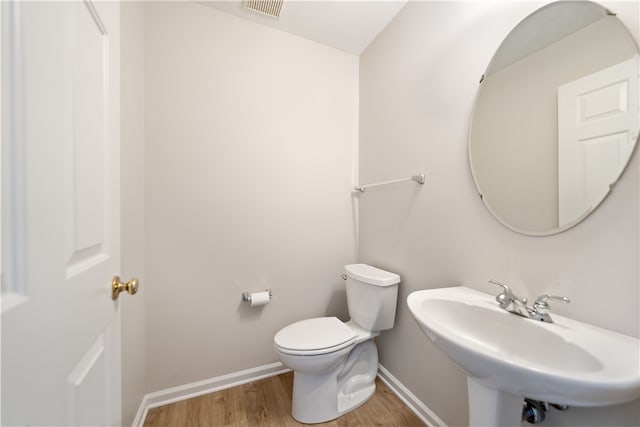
(266, 7)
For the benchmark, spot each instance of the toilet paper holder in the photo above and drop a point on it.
(246, 296)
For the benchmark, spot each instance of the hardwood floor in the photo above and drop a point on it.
(267, 403)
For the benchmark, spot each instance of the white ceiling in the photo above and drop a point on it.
(348, 25)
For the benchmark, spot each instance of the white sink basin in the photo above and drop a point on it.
(566, 362)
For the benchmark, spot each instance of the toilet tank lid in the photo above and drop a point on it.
(368, 274)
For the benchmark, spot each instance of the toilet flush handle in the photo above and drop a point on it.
(344, 277)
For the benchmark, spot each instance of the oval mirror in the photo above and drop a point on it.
(556, 117)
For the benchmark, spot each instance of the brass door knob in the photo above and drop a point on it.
(117, 286)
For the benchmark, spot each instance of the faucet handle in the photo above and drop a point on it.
(506, 297)
(502, 285)
(542, 306)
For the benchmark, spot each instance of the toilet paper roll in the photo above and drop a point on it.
(259, 298)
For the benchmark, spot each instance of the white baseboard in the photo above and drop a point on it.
(199, 388)
(187, 391)
(420, 409)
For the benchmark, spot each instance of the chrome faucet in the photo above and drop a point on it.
(513, 304)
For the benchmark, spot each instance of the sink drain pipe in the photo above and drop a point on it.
(535, 411)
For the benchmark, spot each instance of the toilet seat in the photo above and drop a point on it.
(320, 335)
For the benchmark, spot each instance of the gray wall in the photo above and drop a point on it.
(251, 139)
(417, 86)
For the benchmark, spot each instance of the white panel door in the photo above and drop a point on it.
(598, 121)
(60, 206)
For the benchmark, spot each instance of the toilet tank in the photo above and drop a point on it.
(371, 296)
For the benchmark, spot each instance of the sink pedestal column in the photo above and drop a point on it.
(490, 407)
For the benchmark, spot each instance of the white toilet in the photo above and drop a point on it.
(335, 363)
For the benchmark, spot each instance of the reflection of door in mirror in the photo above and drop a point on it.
(598, 123)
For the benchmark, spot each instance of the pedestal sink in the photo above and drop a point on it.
(509, 357)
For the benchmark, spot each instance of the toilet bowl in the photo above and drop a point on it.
(335, 363)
